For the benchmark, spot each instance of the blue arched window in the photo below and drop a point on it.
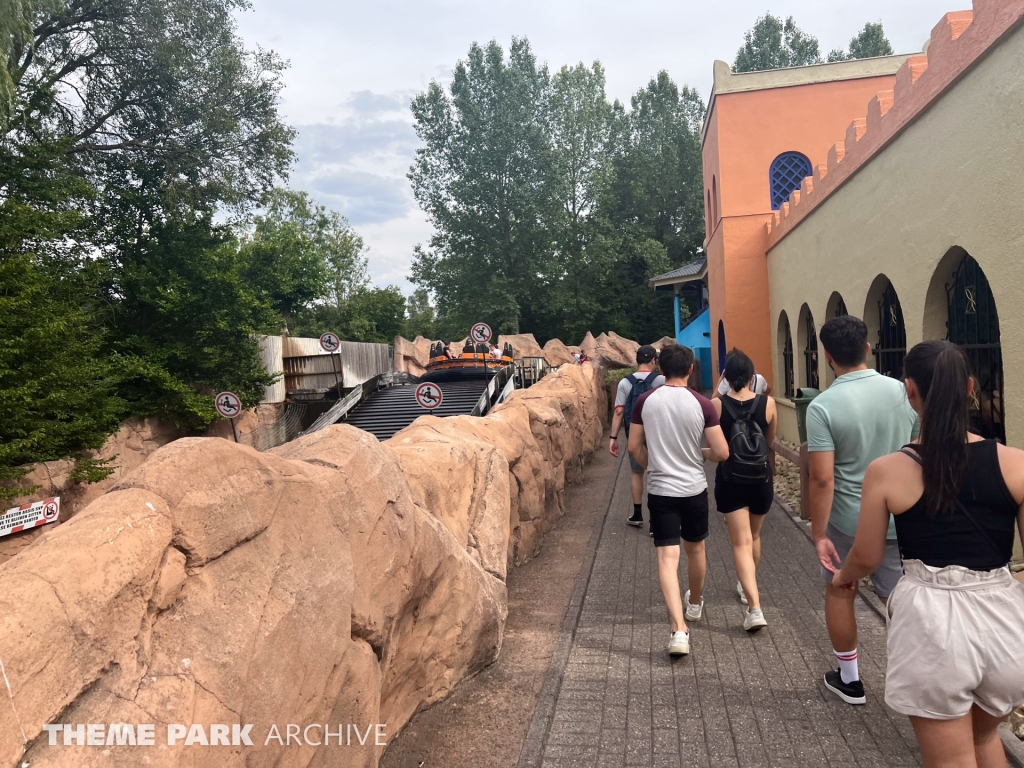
(787, 171)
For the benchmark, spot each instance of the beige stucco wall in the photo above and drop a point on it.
(954, 178)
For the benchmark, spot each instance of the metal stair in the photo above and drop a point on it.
(386, 411)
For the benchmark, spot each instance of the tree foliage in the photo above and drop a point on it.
(126, 127)
(553, 207)
(869, 42)
(773, 44)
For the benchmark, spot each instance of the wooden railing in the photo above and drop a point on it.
(798, 457)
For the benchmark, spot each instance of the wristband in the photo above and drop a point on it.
(615, 438)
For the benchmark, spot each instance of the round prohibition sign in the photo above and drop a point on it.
(481, 332)
(50, 510)
(429, 395)
(228, 405)
(329, 342)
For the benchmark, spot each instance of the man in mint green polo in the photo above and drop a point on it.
(862, 416)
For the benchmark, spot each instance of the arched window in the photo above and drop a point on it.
(810, 353)
(785, 346)
(787, 172)
(707, 215)
(714, 202)
(973, 323)
(892, 335)
(721, 346)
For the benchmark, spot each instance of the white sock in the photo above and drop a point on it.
(848, 671)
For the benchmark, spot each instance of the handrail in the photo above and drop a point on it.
(341, 408)
(491, 392)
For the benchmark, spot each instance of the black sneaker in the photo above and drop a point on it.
(851, 693)
(637, 519)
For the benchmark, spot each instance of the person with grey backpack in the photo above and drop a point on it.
(744, 485)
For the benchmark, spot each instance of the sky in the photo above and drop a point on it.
(354, 67)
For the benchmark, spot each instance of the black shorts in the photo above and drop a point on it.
(678, 517)
(732, 496)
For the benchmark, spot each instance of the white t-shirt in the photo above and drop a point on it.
(674, 420)
(626, 386)
(759, 385)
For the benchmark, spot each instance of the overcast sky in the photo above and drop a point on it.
(355, 67)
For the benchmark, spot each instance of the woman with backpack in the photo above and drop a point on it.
(956, 626)
(744, 488)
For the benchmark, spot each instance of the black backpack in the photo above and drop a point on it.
(748, 448)
(640, 386)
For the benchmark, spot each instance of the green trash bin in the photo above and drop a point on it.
(801, 401)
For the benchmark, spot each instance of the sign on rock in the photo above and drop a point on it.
(428, 395)
(329, 342)
(30, 516)
(228, 405)
(481, 332)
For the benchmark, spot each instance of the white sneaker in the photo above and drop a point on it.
(693, 612)
(741, 593)
(753, 620)
(679, 644)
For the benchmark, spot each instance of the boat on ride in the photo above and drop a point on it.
(475, 362)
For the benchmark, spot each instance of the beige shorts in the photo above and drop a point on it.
(955, 639)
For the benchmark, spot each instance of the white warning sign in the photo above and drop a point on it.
(429, 395)
(29, 516)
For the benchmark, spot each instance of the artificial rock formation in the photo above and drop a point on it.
(523, 344)
(334, 580)
(556, 353)
(412, 356)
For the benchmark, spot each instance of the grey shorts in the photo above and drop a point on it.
(634, 466)
(889, 572)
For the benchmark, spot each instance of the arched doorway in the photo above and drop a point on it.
(891, 347)
(973, 323)
(807, 336)
(836, 306)
(785, 345)
(721, 346)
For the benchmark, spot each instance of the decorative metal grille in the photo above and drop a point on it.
(787, 364)
(811, 355)
(892, 335)
(841, 308)
(787, 172)
(973, 323)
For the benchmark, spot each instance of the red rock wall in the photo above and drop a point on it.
(335, 579)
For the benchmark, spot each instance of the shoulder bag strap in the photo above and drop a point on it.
(966, 512)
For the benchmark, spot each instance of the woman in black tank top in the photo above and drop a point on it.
(956, 631)
(744, 489)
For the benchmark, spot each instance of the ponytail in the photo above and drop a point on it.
(941, 373)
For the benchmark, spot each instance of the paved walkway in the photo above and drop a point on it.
(737, 699)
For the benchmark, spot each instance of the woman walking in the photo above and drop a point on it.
(957, 616)
(744, 494)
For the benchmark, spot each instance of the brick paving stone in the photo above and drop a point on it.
(738, 699)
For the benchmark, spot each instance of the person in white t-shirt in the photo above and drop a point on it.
(625, 398)
(668, 425)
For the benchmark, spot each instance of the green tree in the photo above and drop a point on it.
(483, 178)
(580, 126)
(419, 315)
(773, 44)
(869, 42)
(284, 256)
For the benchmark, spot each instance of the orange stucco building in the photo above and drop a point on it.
(764, 132)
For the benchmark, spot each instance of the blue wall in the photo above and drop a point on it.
(697, 336)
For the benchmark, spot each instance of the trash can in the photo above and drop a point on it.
(801, 401)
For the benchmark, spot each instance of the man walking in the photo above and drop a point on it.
(862, 416)
(629, 391)
(667, 426)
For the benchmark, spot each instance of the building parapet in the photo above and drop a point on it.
(959, 40)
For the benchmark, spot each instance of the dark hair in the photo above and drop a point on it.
(675, 361)
(645, 354)
(845, 339)
(739, 370)
(940, 371)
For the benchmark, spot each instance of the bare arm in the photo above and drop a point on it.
(613, 442)
(821, 466)
(869, 545)
(718, 448)
(772, 414)
(637, 446)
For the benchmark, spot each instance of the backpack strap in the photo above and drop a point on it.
(963, 509)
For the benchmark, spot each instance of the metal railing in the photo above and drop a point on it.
(494, 391)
